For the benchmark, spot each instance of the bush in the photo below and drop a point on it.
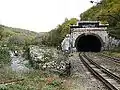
(4, 55)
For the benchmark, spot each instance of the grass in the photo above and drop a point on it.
(113, 54)
(33, 80)
(7, 74)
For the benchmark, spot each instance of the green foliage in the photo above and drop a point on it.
(17, 40)
(33, 80)
(55, 36)
(1, 33)
(108, 11)
(113, 53)
(4, 56)
(55, 83)
(105, 7)
(12, 87)
(3, 87)
(15, 36)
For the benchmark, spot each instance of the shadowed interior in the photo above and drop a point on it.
(88, 43)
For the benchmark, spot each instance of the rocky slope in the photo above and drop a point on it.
(48, 59)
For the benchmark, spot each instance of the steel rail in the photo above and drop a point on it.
(103, 69)
(98, 76)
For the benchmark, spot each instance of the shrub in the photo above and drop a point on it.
(4, 55)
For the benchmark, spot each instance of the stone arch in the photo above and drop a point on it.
(89, 42)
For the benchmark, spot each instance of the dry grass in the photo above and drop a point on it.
(113, 54)
(33, 80)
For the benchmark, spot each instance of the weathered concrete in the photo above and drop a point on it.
(91, 28)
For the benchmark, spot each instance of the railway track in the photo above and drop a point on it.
(117, 60)
(105, 62)
(111, 81)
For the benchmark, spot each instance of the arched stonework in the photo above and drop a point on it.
(102, 43)
(95, 37)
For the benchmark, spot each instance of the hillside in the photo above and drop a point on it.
(105, 7)
(9, 35)
(56, 35)
(106, 11)
(12, 31)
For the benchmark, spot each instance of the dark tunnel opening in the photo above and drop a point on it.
(88, 43)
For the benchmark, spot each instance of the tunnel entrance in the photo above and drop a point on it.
(88, 43)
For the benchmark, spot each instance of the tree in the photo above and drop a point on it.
(17, 40)
(55, 36)
(1, 32)
(108, 12)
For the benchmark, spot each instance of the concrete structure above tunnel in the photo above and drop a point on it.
(88, 36)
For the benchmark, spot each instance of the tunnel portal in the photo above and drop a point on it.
(88, 43)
